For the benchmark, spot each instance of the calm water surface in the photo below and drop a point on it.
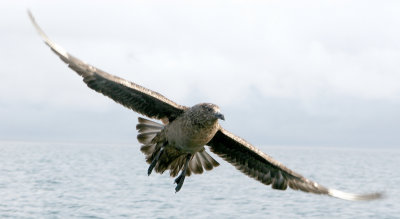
(42, 180)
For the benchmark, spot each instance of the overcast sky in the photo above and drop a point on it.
(323, 73)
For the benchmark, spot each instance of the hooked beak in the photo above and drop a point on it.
(220, 116)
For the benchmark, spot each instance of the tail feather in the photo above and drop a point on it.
(174, 161)
(141, 127)
(171, 159)
(149, 122)
(148, 150)
(195, 164)
(202, 160)
(147, 131)
(207, 161)
(147, 137)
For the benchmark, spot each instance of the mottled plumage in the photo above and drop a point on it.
(178, 144)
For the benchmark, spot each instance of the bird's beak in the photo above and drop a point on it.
(220, 116)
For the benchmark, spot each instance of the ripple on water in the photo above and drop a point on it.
(110, 181)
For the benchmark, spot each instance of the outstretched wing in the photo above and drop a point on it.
(254, 163)
(129, 94)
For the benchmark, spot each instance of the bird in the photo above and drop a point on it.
(177, 143)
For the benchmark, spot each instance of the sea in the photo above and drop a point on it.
(70, 180)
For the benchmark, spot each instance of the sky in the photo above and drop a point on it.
(286, 73)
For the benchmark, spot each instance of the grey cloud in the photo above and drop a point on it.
(300, 73)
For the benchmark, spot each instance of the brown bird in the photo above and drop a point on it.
(178, 144)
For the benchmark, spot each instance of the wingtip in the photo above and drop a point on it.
(56, 48)
(355, 197)
(31, 17)
(29, 13)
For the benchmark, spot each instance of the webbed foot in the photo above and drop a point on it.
(181, 178)
(154, 161)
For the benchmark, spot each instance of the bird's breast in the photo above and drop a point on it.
(187, 137)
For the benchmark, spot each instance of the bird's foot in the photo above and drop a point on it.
(181, 178)
(151, 167)
(154, 161)
(179, 181)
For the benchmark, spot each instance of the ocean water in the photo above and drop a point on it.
(48, 180)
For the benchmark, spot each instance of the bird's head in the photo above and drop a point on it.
(208, 111)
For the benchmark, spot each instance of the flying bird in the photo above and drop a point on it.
(177, 144)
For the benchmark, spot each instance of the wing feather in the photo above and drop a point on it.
(258, 165)
(129, 94)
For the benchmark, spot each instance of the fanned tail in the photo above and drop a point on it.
(200, 160)
(170, 158)
(148, 130)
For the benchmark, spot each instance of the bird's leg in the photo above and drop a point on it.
(181, 178)
(154, 161)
